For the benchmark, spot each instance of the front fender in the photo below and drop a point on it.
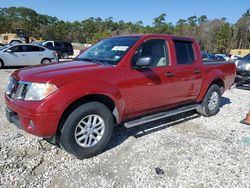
(69, 93)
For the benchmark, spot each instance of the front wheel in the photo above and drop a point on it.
(87, 130)
(211, 102)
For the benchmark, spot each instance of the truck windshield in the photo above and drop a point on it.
(109, 51)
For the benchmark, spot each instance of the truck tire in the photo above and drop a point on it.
(211, 102)
(87, 130)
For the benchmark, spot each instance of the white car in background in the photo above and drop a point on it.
(26, 55)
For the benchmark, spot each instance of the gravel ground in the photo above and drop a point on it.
(182, 151)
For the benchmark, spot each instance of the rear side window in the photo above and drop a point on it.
(184, 52)
(67, 44)
(34, 48)
(58, 44)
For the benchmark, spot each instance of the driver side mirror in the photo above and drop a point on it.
(144, 62)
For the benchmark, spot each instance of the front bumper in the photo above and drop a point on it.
(243, 78)
(23, 114)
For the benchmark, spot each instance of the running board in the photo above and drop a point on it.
(160, 115)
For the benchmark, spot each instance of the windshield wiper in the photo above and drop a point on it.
(88, 59)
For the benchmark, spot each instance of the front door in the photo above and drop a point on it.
(150, 87)
(15, 56)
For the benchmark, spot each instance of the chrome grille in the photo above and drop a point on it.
(16, 89)
(11, 87)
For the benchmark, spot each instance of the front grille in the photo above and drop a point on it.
(16, 89)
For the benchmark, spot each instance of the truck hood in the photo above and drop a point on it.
(59, 73)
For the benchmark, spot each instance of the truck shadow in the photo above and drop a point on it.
(121, 133)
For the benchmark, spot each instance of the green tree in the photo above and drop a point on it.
(160, 20)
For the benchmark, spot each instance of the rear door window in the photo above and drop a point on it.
(184, 52)
(58, 44)
(34, 48)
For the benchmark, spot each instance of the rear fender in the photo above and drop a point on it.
(208, 78)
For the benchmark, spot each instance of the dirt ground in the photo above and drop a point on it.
(182, 151)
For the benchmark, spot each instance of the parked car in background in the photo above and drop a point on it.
(25, 55)
(235, 57)
(64, 49)
(223, 56)
(243, 72)
(116, 81)
(211, 57)
(246, 58)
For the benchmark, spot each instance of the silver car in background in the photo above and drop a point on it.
(26, 55)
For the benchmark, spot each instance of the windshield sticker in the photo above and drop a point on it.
(120, 48)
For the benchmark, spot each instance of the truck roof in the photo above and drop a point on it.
(155, 35)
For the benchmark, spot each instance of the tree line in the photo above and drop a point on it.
(216, 36)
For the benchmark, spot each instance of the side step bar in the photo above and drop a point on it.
(160, 115)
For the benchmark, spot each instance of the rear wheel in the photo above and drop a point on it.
(45, 61)
(87, 130)
(211, 102)
(65, 55)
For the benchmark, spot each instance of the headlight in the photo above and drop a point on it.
(39, 91)
(244, 66)
(29, 91)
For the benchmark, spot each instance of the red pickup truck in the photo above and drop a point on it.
(126, 80)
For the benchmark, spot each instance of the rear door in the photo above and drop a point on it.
(15, 57)
(188, 70)
(34, 54)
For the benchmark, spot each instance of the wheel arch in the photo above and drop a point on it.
(2, 62)
(104, 99)
(45, 58)
(218, 81)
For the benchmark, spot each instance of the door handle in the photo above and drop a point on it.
(197, 71)
(23, 54)
(169, 74)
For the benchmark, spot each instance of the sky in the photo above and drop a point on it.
(134, 10)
